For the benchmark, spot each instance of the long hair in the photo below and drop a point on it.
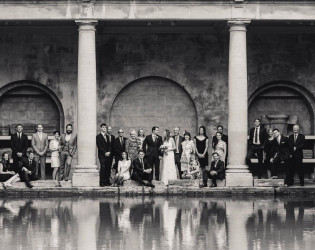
(204, 131)
(139, 132)
(5, 164)
(216, 141)
(168, 135)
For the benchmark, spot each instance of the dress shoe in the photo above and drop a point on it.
(213, 185)
(203, 185)
(66, 179)
(29, 185)
(274, 177)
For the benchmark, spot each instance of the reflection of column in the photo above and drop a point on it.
(237, 173)
(85, 173)
(237, 213)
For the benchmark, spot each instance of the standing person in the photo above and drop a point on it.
(7, 174)
(68, 145)
(19, 145)
(217, 171)
(224, 138)
(257, 138)
(111, 141)
(151, 148)
(169, 168)
(142, 170)
(124, 167)
(119, 147)
(281, 154)
(40, 146)
(132, 146)
(297, 141)
(188, 151)
(104, 152)
(202, 143)
(54, 147)
(269, 150)
(141, 137)
(220, 147)
(179, 150)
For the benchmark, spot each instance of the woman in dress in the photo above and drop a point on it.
(54, 147)
(141, 137)
(123, 173)
(169, 168)
(193, 171)
(188, 151)
(202, 142)
(7, 175)
(220, 147)
(132, 146)
(269, 149)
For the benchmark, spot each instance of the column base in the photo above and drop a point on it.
(239, 179)
(85, 176)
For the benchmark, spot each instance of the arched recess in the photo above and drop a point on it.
(283, 97)
(32, 99)
(150, 101)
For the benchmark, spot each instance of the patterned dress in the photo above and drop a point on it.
(132, 148)
(188, 151)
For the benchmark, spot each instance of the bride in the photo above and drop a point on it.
(169, 168)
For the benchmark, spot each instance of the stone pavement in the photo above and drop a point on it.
(188, 188)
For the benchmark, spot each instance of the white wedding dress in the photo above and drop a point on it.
(169, 171)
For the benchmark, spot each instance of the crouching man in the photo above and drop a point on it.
(142, 170)
(27, 169)
(217, 171)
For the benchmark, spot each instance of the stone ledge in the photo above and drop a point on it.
(268, 182)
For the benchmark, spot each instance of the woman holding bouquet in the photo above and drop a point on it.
(188, 151)
(169, 167)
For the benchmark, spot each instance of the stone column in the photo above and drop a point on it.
(86, 173)
(237, 173)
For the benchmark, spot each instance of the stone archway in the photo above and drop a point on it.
(151, 101)
(283, 98)
(29, 103)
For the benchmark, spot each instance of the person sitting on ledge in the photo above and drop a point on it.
(7, 175)
(193, 171)
(142, 170)
(123, 173)
(216, 171)
(27, 169)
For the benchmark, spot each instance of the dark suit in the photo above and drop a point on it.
(138, 174)
(18, 145)
(152, 150)
(282, 153)
(297, 155)
(219, 168)
(30, 166)
(118, 149)
(178, 153)
(224, 138)
(258, 149)
(112, 142)
(103, 147)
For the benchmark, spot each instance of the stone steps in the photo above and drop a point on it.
(40, 184)
(268, 182)
(192, 183)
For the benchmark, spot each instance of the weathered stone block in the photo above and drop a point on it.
(268, 182)
(239, 180)
(184, 183)
(85, 176)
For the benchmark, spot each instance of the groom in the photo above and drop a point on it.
(151, 148)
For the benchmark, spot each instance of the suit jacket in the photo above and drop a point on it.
(282, 150)
(138, 168)
(299, 145)
(102, 146)
(19, 145)
(72, 145)
(31, 167)
(224, 138)
(118, 148)
(112, 143)
(263, 136)
(151, 147)
(219, 168)
(180, 147)
(40, 145)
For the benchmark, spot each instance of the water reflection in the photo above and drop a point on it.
(147, 223)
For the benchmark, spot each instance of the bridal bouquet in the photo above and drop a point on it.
(163, 148)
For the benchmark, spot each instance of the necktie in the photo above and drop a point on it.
(256, 136)
(142, 163)
(30, 162)
(279, 140)
(176, 142)
(109, 137)
(19, 136)
(295, 137)
(105, 138)
(153, 138)
(121, 142)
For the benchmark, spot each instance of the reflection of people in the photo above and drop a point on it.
(188, 151)
(257, 138)
(216, 172)
(297, 141)
(123, 173)
(142, 170)
(54, 147)
(201, 143)
(19, 145)
(7, 175)
(40, 146)
(220, 147)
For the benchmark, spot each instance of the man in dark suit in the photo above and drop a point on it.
(112, 142)
(119, 147)
(19, 145)
(282, 152)
(27, 169)
(297, 141)
(104, 153)
(224, 138)
(142, 170)
(217, 171)
(151, 148)
(179, 149)
(257, 137)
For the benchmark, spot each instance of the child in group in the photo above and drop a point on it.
(193, 171)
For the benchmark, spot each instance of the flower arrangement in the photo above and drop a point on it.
(163, 149)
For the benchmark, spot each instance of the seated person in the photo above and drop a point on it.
(27, 169)
(123, 173)
(193, 171)
(7, 175)
(217, 171)
(142, 170)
